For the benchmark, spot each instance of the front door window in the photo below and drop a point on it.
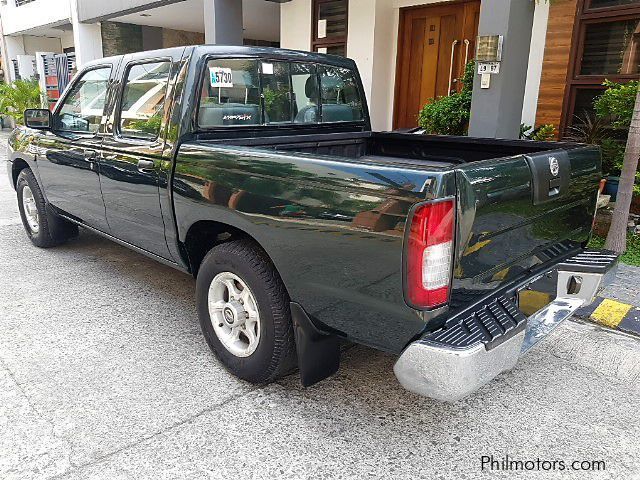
(83, 107)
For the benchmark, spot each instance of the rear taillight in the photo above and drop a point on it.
(429, 254)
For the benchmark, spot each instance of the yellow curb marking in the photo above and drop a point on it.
(501, 275)
(476, 247)
(610, 313)
(530, 301)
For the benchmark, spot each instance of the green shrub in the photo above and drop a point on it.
(16, 97)
(617, 102)
(544, 133)
(450, 115)
(615, 106)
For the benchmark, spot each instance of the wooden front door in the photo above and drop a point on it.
(434, 44)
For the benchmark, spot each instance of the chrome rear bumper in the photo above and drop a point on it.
(447, 367)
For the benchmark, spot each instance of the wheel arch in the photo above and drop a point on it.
(17, 165)
(203, 235)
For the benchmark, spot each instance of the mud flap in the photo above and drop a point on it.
(318, 351)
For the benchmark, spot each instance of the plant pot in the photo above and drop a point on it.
(635, 205)
(603, 183)
(611, 188)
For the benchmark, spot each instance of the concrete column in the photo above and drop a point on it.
(223, 22)
(496, 112)
(536, 59)
(14, 46)
(87, 38)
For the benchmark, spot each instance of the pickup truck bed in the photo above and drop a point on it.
(426, 247)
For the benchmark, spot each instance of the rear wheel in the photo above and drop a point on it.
(43, 228)
(244, 312)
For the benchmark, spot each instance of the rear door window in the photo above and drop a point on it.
(230, 94)
(143, 100)
(341, 100)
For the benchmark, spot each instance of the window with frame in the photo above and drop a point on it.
(230, 93)
(143, 100)
(606, 47)
(330, 26)
(276, 92)
(83, 108)
(340, 95)
(235, 92)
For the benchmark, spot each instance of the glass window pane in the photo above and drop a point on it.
(332, 19)
(277, 92)
(305, 93)
(612, 48)
(230, 94)
(583, 104)
(83, 108)
(340, 95)
(610, 3)
(143, 103)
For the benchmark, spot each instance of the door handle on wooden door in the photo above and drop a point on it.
(466, 51)
(453, 55)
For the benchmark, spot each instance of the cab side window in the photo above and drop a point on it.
(276, 89)
(304, 82)
(230, 94)
(83, 107)
(341, 100)
(143, 100)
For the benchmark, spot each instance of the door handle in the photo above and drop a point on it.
(146, 166)
(466, 51)
(453, 54)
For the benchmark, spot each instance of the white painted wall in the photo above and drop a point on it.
(32, 15)
(536, 57)
(34, 44)
(295, 25)
(66, 40)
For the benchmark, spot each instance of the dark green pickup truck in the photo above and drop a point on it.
(256, 170)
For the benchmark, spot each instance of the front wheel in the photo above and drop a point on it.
(244, 312)
(43, 228)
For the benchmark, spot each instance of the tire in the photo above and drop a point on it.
(247, 266)
(45, 229)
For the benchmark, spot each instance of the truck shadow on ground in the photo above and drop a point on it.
(365, 381)
(169, 285)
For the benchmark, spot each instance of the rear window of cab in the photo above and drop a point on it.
(245, 92)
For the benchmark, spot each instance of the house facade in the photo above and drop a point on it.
(410, 51)
(549, 58)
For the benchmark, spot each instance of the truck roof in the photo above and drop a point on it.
(244, 51)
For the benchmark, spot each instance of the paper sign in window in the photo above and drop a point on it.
(322, 29)
(221, 77)
(267, 68)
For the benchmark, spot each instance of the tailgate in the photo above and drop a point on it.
(519, 212)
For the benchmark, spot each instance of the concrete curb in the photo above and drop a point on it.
(612, 314)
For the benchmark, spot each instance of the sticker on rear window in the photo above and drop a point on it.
(221, 77)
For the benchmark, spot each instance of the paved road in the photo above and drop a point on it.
(104, 374)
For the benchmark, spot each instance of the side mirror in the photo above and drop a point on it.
(38, 118)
